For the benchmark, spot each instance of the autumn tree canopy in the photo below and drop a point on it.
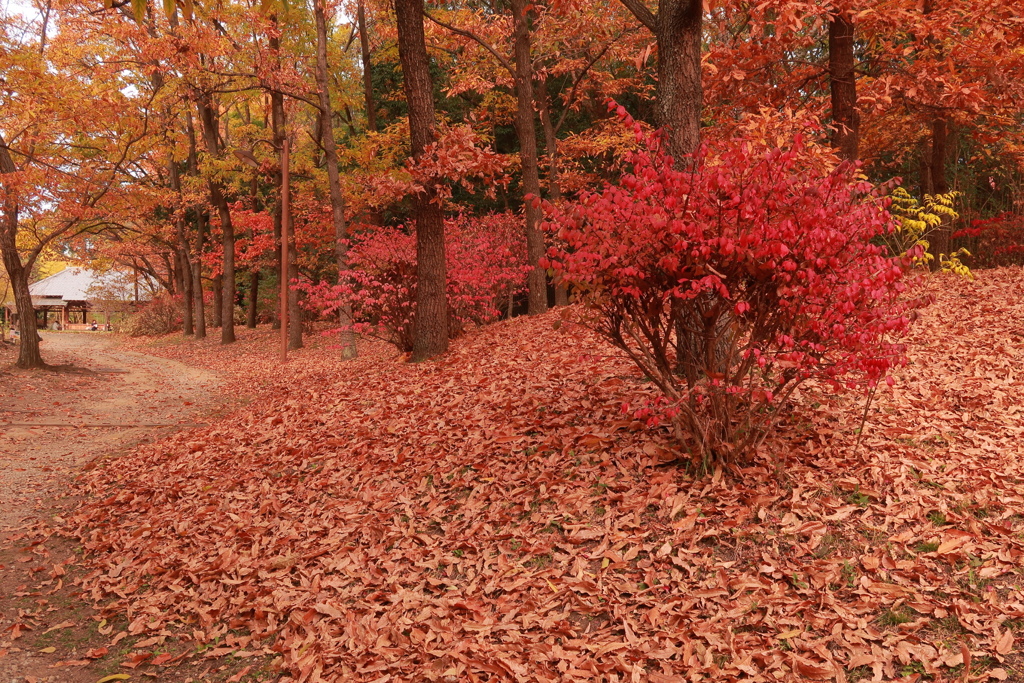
(150, 135)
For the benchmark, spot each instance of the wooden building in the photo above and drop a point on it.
(75, 297)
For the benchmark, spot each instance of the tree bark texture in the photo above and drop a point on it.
(526, 131)
(939, 242)
(175, 284)
(218, 301)
(680, 92)
(843, 81)
(348, 339)
(29, 355)
(677, 30)
(430, 336)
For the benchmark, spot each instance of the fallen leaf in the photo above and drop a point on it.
(65, 624)
(136, 659)
(238, 676)
(949, 546)
(328, 610)
(1004, 644)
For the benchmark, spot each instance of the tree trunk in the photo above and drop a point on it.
(364, 45)
(843, 79)
(188, 322)
(554, 186)
(29, 355)
(218, 301)
(933, 169)
(197, 303)
(208, 118)
(938, 159)
(175, 284)
(526, 130)
(185, 267)
(294, 312)
(680, 93)
(227, 292)
(677, 29)
(278, 251)
(926, 170)
(197, 276)
(940, 237)
(278, 125)
(431, 323)
(278, 255)
(254, 290)
(348, 340)
(550, 141)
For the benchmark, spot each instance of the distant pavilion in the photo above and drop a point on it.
(71, 296)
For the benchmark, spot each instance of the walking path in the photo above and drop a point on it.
(53, 424)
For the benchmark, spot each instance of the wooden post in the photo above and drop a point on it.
(285, 221)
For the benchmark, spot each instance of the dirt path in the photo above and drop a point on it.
(52, 424)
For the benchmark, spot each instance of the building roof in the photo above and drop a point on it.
(77, 284)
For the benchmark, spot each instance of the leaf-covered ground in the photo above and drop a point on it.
(494, 516)
(99, 402)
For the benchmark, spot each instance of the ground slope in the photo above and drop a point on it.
(494, 516)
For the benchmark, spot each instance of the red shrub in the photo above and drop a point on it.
(731, 283)
(994, 242)
(486, 265)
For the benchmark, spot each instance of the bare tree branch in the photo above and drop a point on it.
(643, 14)
(474, 37)
(580, 79)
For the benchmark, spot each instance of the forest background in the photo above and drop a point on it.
(151, 138)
